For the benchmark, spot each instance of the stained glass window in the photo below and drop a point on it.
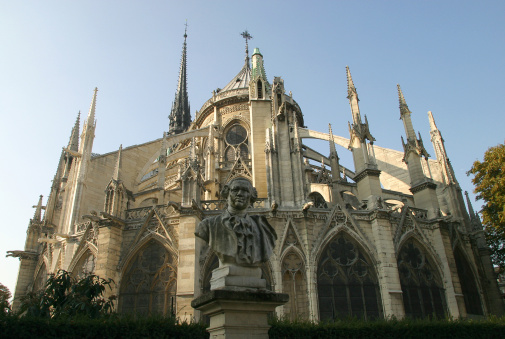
(149, 282)
(236, 143)
(423, 293)
(236, 135)
(347, 282)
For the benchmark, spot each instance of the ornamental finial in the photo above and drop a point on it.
(245, 34)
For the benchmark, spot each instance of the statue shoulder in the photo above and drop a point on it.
(202, 230)
(264, 225)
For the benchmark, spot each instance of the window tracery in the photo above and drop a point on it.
(236, 143)
(347, 282)
(294, 283)
(85, 266)
(423, 292)
(149, 282)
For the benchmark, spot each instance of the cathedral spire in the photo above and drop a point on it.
(73, 143)
(180, 115)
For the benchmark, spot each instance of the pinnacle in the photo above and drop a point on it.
(404, 109)
(433, 126)
(117, 168)
(350, 83)
(73, 143)
(180, 115)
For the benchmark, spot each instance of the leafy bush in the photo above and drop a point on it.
(5, 295)
(113, 326)
(66, 296)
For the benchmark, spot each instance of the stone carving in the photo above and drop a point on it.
(241, 241)
(236, 237)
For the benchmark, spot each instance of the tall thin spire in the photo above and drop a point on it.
(334, 160)
(352, 95)
(73, 143)
(476, 224)
(180, 115)
(90, 121)
(404, 109)
(405, 116)
(117, 168)
(470, 207)
(433, 126)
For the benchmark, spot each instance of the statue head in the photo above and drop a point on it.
(239, 193)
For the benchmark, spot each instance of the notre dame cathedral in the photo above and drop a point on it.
(390, 236)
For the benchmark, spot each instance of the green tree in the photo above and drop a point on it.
(5, 295)
(489, 181)
(66, 296)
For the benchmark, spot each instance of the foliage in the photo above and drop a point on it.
(65, 296)
(5, 295)
(489, 181)
(113, 326)
(389, 328)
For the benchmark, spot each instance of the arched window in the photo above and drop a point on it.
(468, 286)
(423, 293)
(108, 200)
(149, 282)
(40, 279)
(236, 143)
(260, 89)
(85, 266)
(294, 283)
(347, 283)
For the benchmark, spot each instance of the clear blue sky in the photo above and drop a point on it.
(447, 56)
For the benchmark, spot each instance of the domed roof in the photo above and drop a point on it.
(241, 80)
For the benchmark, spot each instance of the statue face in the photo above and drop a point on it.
(240, 194)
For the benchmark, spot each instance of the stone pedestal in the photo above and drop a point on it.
(238, 314)
(233, 277)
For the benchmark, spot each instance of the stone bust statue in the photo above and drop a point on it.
(238, 238)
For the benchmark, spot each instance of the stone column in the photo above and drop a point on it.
(387, 268)
(188, 270)
(109, 250)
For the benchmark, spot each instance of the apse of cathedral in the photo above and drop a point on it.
(390, 236)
